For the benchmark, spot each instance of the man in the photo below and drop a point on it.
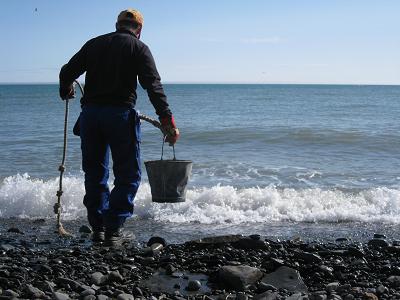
(113, 62)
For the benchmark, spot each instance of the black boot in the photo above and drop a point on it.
(117, 237)
(98, 236)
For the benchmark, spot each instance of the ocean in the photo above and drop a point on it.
(308, 161)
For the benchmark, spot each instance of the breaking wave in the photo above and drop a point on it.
(23, 196)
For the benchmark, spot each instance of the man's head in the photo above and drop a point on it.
(130, 19)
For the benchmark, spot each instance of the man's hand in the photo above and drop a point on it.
(67, 92)
(169, 129)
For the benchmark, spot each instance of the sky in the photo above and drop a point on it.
(214, 41)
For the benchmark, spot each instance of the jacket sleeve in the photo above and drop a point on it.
(73, 69)
(150, 80)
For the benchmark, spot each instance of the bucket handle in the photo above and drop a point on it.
(162, 148)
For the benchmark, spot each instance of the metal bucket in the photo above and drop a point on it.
(168, 179)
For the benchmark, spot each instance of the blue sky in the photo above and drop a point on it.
(215, 41)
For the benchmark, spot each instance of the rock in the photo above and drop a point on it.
(98, 278)
(85, 229)
(381, 289)
(286, 278)
(370, 296)
(308, 257)
(342, 240)
(102, 297)
(193, 285)
(89, 297)
(60, 296)
(6, 247)
(379, 236)
(88, 292)
(251, 244)
(34, 292)
(348, 297)
(334, 297)
(319, 295)
(239, 277)
(125, 297)
(375, 243)
(394, 281)
(75, 285)
(263, 287)
(341, 289)
(331, 287)
(10, 293)
(268, 295)
(115, 276)
(169, 269)
(241, 296)
(353, 251)
(297, 296)
(15, 230)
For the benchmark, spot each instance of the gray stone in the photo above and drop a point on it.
(286, 278)
(102, 297)
(379, 236)
(343, 288)
(239, 277)
(349, 297)
(75, 285)
(193, 285)
(125, 297)
(89, 297)
(334, 297)
(378, 243)
(6, 247)
(34, 292)
(381, 289)
(98, 278)
(331, 287)
(241, 296)
(308, 257)
(297, 296)
(251, 244)
(115, 276)
(268, 295)
(85, 229)
(394, 281)
(60, 296)
(263, 287)
(88, 292)
(10, 293)
(15, 230)
(319, 295)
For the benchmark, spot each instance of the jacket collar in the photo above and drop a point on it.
(123, 30)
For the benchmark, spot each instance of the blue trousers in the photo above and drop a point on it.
(105, 129)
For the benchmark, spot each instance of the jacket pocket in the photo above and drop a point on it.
(136, 125)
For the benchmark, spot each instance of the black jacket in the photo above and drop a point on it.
(113, 62)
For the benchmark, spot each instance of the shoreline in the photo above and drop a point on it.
(221, 267)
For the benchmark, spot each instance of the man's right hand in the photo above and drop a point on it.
(168, 127)
(67, 92)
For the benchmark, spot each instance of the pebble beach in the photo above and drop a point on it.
(46, 266)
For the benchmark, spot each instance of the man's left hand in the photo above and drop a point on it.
(171, 132)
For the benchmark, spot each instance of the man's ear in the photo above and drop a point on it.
(139, 31)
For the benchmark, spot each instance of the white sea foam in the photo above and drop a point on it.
(23, 196)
